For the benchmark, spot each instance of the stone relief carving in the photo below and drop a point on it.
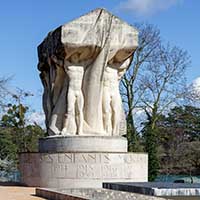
(75, 101)
(112, 104)
(81, 64)
(85, 166)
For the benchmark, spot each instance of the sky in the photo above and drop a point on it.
(25, 23)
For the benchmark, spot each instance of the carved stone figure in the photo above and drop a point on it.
(112, 105)
(75, 100)
(81, 64)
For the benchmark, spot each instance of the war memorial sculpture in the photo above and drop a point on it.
(81, 64)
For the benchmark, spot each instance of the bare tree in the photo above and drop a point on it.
(163, 85)
(3, 90)
(154, 83)
(149, 41)
(163, 82)
(193, 97)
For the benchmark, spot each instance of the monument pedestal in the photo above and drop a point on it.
(81, 64)
(79, 143)
(83, 168)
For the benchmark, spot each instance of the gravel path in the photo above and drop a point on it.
(17, 193)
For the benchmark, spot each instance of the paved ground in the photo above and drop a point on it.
(13, 192)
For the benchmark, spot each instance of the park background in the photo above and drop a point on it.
(24, 24)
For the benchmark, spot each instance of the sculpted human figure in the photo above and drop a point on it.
(111, 96)
(81, 63)
(75, 98)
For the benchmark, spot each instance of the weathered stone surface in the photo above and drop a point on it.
(82, 144)
(81, 64)
(88, 193)
(157, 188)
(81, 170)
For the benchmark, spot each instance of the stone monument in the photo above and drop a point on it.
(81, 64)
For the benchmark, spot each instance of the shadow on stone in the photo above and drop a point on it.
(11, 184)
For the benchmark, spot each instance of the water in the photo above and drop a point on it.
(172, 178)
(186, 178)
(9, 177)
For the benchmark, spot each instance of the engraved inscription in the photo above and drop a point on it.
(84, 166)
(105, 158)
(108, 171)
(59, 170)
(131, 158)
(129, 172)
(66, 158)
(85, 171)
(92, 158)
(46, 158)
(87, 158)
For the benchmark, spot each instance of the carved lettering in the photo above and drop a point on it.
(92, 158)
(132, 159)
(66, 158)
(85, 171)
(59, 170)
(128, 159)
(87, 158)
(128, 173)
(109, 171)
(84, 158)
(46, 158)
(105, 158)
(86, 166)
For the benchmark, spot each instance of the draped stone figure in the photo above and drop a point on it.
(81, 65)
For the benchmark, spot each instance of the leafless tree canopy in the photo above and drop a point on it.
(3, 90)
(163, 81)
(149, 40)
(156, 79)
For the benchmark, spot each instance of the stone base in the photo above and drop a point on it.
(163, 189)
(82, 144)
(82, 169)
(90, 193)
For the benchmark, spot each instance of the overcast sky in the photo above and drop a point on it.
(25, 23)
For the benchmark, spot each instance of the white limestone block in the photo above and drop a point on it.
(81, 64)
(82, 170)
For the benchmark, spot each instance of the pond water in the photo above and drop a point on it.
(9, 176)
(186, 178)
(172, 178)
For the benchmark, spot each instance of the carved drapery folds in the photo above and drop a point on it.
(81, 64)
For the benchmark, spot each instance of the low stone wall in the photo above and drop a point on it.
(157, 188)
(92, 194)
